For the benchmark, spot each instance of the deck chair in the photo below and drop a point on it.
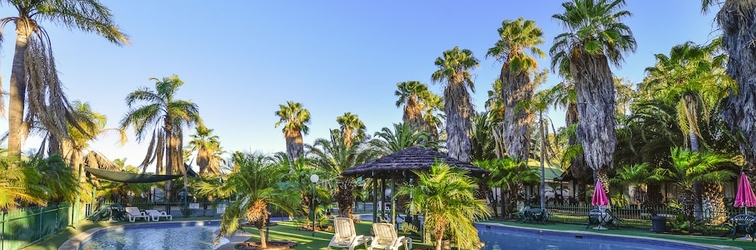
(385, 237)
(155, 215)
(344, 235)
(595, 217)
(133, 213)
(520, 214)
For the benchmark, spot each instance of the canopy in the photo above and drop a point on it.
(130, 177)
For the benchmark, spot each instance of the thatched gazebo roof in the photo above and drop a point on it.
(404, 161)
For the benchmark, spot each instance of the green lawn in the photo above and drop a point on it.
(305, 240)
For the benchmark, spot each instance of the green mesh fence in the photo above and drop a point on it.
(22, 227)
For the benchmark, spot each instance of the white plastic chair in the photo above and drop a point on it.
(385, 237)
(155, 215)
(133, 213)
(345, 235)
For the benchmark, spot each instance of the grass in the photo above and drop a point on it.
(289, 231)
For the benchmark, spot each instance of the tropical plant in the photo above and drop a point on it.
(160, 111)
(689, 167)
(296, 119)
(352, 128)
(637, 175)
(483, 143)
(516, 36)
(595, 37)
(19, 185)
(34, 84)
(510, 176)
(208, 150)
(333, 156)
(259, 184)
(403, 136)
(447, 199)
(733, 19)
(418, 101)
(57, 177)
(454, 71)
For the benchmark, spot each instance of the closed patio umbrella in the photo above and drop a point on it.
(744, 197)
(600, 200)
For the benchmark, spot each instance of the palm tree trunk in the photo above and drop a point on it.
(458, 111)
(736, 19)
(17, 94)
(345, 198)
(516, 89)
(714, 202)
(594, 87)
(542, 192)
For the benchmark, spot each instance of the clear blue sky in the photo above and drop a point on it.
(241, 59)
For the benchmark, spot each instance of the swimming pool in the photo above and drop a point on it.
(499, 237)
(167, 235)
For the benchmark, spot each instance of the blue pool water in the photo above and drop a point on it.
(513, 238)
(175, 235)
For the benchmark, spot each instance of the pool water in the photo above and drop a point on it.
(512, 238)
(153, 236)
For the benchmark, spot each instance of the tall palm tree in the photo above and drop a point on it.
(34, 84)
(690, 79)
(595, 37)
(159, 110)
(296, 119)
(259, 184)
(206, 146)
(419, 103)
(334, 157)
(352, 128)
(733, 19)
(447, 199)
(403, 136)
(454, 71)
(516, 36)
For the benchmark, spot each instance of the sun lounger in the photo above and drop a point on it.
(385, 237)
(155, 215)
(133, 213)
(345, 235)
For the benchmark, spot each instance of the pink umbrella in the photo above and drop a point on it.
(599, 196)
(745, 197)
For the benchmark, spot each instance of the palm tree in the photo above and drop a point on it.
(259, 184)
(595, 37)
(57, 177)
(403, 136)
(296, 119)
(638, 175)
(334, 157)
(166, 116)
(740, 112)
(689, 167)
(19, 185)
(206, 145)
(447, 199)
(419, 103)
(91, 124)
(516, 37)
(352, 128)
(34, 77)
(454, 71)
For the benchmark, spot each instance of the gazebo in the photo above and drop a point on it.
(400, 165)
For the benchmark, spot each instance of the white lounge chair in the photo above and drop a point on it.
(385, 237)
(133, 213)
(345, 235)
(155, 215)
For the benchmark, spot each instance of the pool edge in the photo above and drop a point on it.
(709, 246)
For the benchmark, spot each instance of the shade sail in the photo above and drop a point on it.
(412, 158)
(129, 177)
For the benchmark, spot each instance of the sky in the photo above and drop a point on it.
(241, 59)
